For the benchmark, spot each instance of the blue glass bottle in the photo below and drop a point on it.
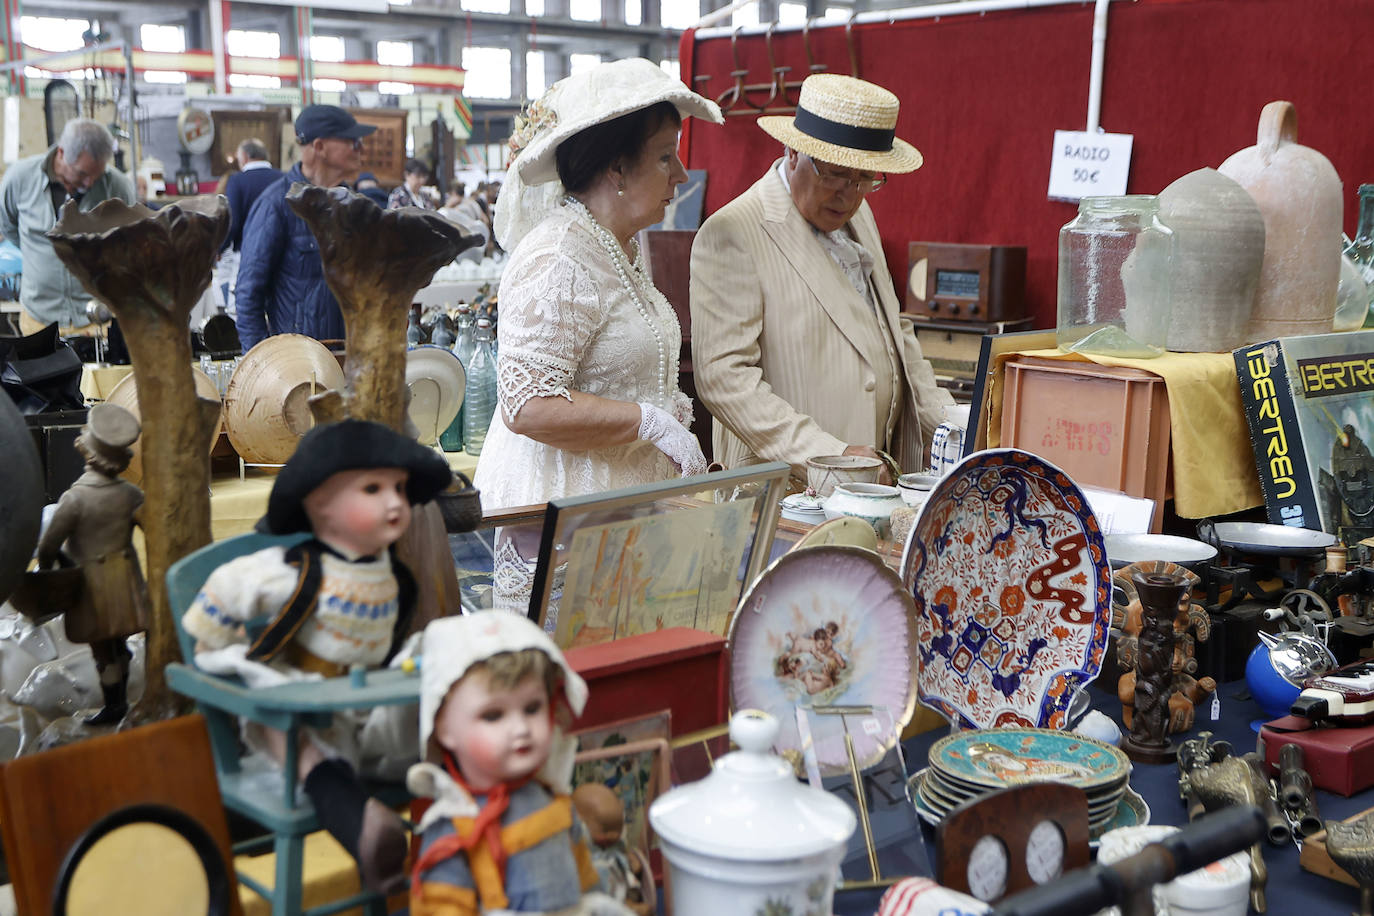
(480, 403)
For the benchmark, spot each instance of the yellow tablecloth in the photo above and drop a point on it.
(98, 381)
(236, 505)
(1214, 464)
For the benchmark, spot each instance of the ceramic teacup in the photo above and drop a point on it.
(823, 472)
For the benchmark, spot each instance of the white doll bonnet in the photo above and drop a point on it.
(452, 645)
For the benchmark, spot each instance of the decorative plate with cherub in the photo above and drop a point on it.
(827, 630)
(1013, 592)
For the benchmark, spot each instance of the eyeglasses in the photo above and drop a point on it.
(838, 180)
(351, 141)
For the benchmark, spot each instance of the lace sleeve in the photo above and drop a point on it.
(550, 308)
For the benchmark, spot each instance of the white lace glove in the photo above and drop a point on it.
(671, 438)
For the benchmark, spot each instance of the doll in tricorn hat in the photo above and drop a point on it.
(502, 833)
(93, 527)
(321, 606)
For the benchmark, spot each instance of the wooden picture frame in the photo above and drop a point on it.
(271, 125)
(638, 772)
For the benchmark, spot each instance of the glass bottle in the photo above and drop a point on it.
(1114, 278)
(1361, 250)
(463, 343)
(480, 403)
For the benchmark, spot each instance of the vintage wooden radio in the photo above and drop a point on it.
(966, 282)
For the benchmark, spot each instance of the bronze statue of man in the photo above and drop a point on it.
(93, 528)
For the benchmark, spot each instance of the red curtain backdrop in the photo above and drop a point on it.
(983, 94)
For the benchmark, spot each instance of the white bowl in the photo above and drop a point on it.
(872, 502)
(915, 488)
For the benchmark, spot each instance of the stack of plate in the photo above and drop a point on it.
(800, 507)
(968, 764)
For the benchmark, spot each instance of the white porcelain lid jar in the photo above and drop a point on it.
(751, 806)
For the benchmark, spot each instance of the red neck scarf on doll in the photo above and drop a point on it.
(487, 826)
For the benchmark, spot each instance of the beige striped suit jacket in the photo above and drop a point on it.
(786, 352)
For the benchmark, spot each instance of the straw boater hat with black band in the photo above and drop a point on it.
(570, 106)
(847, 122)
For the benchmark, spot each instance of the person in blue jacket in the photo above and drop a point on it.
(281, 287)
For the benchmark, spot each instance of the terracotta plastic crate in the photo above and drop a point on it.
(1105, 426)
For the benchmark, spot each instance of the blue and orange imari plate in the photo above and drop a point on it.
(1012, 586)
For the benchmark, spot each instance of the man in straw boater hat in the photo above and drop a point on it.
(795, 337)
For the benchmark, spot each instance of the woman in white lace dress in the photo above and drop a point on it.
(588, 368)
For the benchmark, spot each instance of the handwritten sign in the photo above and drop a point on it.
(1089, 165)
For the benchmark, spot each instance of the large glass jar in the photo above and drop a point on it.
(1114, 278)
(1361, 250)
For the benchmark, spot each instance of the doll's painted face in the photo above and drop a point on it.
(495, 735)
(361, 511)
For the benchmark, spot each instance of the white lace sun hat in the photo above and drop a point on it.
(592, 97)
(571, 105)
(848, 122)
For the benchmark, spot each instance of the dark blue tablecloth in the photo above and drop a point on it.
(1291, 890)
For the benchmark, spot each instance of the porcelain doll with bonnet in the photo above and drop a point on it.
(502, 834)
(318, 607)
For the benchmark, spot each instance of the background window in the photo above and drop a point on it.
(48, 34)
(791, 13)
(388, 87)
(488, 73)
(487, 6)
(536, 80)
(254, 81)
(395, 53)
(580, 62)
(252, 44)
(328, 85)
(745, 16)
(634, 12)
(679, 14)
(534, 7)
(167, 38)
(327, 48)
(585, 10)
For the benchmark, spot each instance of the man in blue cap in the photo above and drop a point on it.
(281, 287)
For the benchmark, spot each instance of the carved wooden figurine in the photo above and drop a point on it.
(93, 527)
(1191, 625)
(1148, 741)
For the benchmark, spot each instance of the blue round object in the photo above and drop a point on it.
(1272, 691)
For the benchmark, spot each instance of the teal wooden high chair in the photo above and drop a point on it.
(283, 810)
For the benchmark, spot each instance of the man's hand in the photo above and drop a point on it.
(864, 451)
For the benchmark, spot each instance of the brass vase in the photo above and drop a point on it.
(150, 268)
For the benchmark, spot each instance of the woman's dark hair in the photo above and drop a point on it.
(588, 153)
(416, 167)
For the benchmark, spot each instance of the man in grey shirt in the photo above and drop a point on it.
(31, 195)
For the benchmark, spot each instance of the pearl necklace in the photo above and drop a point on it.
(631, 277)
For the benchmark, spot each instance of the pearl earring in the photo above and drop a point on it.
(620, 193)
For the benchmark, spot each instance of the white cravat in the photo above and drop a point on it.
(851, 257)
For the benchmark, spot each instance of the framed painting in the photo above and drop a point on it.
(673, 554)
(636, 771)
